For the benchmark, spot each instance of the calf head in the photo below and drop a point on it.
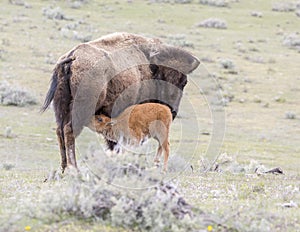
(100, 123)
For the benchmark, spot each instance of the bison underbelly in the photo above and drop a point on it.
(122, 91)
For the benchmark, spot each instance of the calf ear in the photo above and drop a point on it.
(175, 58)
(111, 123)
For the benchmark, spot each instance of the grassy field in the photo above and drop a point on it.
(255, 62)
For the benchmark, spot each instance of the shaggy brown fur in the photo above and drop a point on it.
(135, 125)
(107, 75)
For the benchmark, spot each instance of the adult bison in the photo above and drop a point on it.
(107, 75)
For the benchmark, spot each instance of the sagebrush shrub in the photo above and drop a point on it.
(218, 3)
(179, 40)
(292, 41)
(213, 23)
(15, 96)
(96, 197)
(284, 7)
(54, 13)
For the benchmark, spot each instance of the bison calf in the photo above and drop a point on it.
(135, 125)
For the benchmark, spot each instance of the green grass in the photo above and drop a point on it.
(247, 201)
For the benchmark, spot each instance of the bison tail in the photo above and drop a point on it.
(61, 71)
(52, 89)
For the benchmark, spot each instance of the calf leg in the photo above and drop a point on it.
(159, 131)
(62, 148)
(70, 145)
(158, 154)
(166, 147)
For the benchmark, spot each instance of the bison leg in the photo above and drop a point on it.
(62, 148)
(110, 144)
(70, 145)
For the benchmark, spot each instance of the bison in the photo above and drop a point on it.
(107, 75)
(135, 125)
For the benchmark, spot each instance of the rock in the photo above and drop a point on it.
(275, 171)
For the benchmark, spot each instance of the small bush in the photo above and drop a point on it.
(290, 115)
(218, 3)
(183, 1)
(256, 14)
(17, 2)
(82, 37)
(279, 99)
(292, 41)
(69, 31)
(8, 166)
(257, 99)
(213, 23)
(171, 1)
(159, 1)
(15, 96)
(8, 133)
(180, 41)
(77, 3)
(255, 59)
(3, 54)
(50, 59)
(207, 59)
(227, 64)
(54, 13)
(284, 7)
